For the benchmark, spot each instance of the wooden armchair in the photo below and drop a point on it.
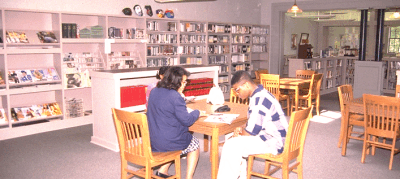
(293, 149)
(134, 144)
(313, 95)
(271, 83)
(351, 119)
(381, 120)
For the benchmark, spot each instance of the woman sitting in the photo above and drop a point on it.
(169, 120)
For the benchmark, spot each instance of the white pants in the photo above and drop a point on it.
(233, 163)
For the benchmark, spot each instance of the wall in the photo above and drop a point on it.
(298, 26)
(237, 11)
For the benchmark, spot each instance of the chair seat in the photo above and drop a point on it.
(356, 119)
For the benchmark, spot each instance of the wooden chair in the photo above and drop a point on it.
(293, 149)
(234, 98)
(134, 144)
(304, 74)
(352, 119)
(397, 94)
(257, 73)
(381, 120)
(271, 83)
(313, 95)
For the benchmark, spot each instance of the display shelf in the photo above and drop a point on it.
(35, 88)
(55, 117)
(391, 65)
(89, 33)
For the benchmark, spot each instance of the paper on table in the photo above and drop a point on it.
(221, 118)
(190, 110)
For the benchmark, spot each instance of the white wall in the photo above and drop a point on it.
(298, 26)
(237, 11)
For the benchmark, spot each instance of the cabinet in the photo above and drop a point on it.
(109, 82)
(92, 42)
(336, 70)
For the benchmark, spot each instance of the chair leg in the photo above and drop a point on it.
(250, 161)
(178, 167)
(364, 149)
(124, 165)
(300, 171)
(375, 139)
(285, 171)
(342, 128)
(267, 167)
(149, 171)
(391, 155)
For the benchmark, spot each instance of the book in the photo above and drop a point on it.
(53, 72)
(24, 76)
(47, 37)
(37, 75)
(73, 80)
(12, 77)
(3, 116)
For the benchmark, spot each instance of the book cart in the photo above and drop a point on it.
(80, 43)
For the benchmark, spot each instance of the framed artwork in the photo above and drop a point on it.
(304, 38)
(294, 42)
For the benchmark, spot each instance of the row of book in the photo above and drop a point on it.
(192, 38)
(21, 37)
(162, 38)
(35, 111)
(191, 50)
(192, 27)
(240, 48)
(259, 48)
(155, 26)
(32, 75)
(191, 60)
(161, 50)
(217, 28)
(221, 59)
(218, 49)
(158, 62)
(218, 39)
(259, 39)
(240, 29)
(240, 58)
(240, 39)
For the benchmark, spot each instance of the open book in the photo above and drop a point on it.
(221, 118)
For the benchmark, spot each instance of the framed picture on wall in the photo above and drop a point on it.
(304, 38)
(294, 42)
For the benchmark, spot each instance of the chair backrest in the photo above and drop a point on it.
(397, 91)
(315, 85)
(133, 135)
(271, 83)
(296, 134)
(259, 72)
(381, 115)
(234, 98)
(304, 74)
(345, 95)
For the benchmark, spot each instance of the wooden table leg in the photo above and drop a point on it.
(206, 143)
(296, 98)
(214, 153)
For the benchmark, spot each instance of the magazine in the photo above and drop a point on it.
(3, 116)
(12, 77)
(221, 118)
(73, 80)
(47, 37)
(24, 76)
(53, 73)
(37, 75)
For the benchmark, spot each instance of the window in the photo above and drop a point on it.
(394, 40)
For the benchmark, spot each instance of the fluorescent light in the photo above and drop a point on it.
(167, 1)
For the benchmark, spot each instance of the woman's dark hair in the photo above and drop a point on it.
(173, 78)
(162, 71)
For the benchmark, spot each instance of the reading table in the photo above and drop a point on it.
(216, 129)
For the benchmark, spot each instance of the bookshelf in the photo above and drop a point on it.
(336, 70)
(391, 65)
(92, 42)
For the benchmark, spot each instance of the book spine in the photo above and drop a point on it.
(64, 30)
(73, 31)
(69, 30)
